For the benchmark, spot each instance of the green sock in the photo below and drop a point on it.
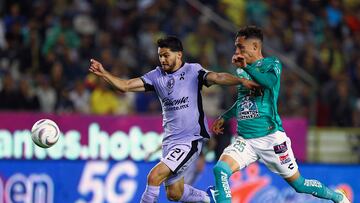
(222, 174)
(315, 188)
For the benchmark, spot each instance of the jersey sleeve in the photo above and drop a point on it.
(148, 80)
(267, 75)
(202, 75)
(274, 67)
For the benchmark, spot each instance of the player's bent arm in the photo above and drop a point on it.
(267, 79)
(131, 85)
(223, 79)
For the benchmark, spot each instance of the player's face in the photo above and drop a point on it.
(168, 59)
(246, 48)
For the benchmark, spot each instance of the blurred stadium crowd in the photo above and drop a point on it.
(45, 47)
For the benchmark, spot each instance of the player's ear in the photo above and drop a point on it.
(255, 46)
(179, 54)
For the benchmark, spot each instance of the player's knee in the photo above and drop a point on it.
(220, 167)
(153, 179)
(173, 195)
(217, 168)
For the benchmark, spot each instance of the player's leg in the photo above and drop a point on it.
(179, 159)
(156, 176)
(195, 170)
(179, 191)
(276, 152)
(223, 169)
(235, 157)
(314, 187)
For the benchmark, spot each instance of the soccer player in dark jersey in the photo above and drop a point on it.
(259, 127)
(178, 86)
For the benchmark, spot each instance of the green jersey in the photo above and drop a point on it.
(256, 110)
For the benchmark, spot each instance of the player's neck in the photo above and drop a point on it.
(258, 57)
(177, 67)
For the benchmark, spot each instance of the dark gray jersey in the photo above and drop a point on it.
(179, 93)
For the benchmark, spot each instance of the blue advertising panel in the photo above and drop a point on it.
(64, 181)
(101, 160)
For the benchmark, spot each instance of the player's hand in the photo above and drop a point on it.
(217, 126)
(97, 68)
(238, 61)
(249, 84)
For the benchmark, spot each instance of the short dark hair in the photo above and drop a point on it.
(171, 42)
(250, 31)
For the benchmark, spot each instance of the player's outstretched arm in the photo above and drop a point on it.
(228, 79)
(132, 85)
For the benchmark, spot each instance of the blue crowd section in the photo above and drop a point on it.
(108, 181)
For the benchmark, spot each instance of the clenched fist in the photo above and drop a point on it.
(238, 61)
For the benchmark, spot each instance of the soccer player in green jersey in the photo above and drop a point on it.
(261, 135)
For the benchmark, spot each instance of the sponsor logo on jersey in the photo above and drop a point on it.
(248, 109)
(284, 159)
(175, 104)
(281, 148)
(225, 184)
(312, 183)
(291, 166)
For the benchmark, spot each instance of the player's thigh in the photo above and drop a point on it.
(191, 173)
(278, 155)
(158, 174)
(179, 158)
(240, 151)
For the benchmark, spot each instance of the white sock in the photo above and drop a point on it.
(192, 194)
(151, 194)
